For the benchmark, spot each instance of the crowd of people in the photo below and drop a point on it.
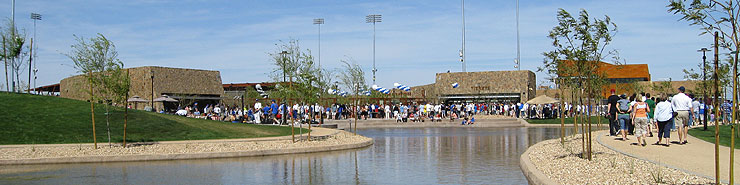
(640, 115)
(272, 113)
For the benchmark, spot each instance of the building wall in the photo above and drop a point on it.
(488, 82)
(644, 86)
(166, 81)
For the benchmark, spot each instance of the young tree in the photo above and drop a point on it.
(716, 16)
(580, 43)
(305, 76)
(15, 50)
(98, 59)
(353, 78)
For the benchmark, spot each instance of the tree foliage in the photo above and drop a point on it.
(353, 77)
(97, 59)
(16, 50)
(306, 79)
(580, 43)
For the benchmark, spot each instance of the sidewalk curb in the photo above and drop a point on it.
(530, 171)
(180, 156)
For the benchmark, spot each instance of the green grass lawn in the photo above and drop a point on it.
(32, 119)
(594, 119)
(724, 135)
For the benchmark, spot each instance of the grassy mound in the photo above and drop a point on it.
(32, 119)
(724, 135)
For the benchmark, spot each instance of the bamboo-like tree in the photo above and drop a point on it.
(580, 44)
(716, 16)
(97, 58)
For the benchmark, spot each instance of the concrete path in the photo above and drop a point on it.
(696, 157)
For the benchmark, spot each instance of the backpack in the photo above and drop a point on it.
(624, 107)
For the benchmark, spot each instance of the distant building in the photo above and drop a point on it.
(484, 86)
(188, 86)
(619, 77)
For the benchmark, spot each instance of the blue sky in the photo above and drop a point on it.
(415, 40)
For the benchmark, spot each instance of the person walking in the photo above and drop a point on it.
(682, 105)
(623, 115)
(640, 120)
(663, 115)
(651, 114)
(612, 113)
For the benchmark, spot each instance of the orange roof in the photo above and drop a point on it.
(624, 71)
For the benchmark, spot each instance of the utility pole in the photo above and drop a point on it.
(716, 107)
(704, 90)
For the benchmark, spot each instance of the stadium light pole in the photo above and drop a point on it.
(462, 51)
(373, 18)
(704, 75)
(35, 17)
(319, 22)
(518, 56)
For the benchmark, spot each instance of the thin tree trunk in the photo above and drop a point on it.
(92, 111)
(575, 116)
(588, 114)
(107, 123)
(562, 118)
(716, 108)
(125, 106)
(583, 131)
(7, 83)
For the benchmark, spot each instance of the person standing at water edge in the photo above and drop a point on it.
(640, 120)
(682, 105)
(613, 123)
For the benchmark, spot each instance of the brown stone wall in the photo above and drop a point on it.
(166, 81)
(488, 82)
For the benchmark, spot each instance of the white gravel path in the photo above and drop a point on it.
(562, 164)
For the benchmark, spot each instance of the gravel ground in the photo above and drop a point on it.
(563, 165)
(103, 150)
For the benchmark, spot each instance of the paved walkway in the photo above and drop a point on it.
(696, 157)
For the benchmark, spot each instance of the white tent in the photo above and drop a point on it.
(544, 99)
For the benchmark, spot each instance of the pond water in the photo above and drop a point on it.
(399, 156)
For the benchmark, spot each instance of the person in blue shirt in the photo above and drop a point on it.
(265, 110)
(250, 115)
(274, 109)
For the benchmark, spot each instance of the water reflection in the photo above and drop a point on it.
(399, 156)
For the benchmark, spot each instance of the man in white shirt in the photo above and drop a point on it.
(682, 105)
(257, 111)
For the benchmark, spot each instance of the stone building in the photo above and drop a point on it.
(150, 82)
(484, 86)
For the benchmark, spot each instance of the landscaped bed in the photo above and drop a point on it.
(35, 119)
